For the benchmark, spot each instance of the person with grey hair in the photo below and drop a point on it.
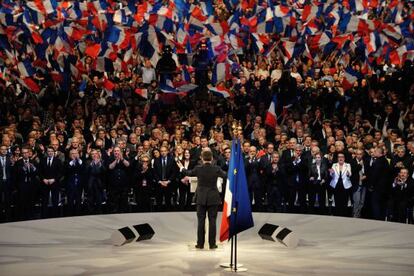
(118, 180)
(297, 177)
(360, 167)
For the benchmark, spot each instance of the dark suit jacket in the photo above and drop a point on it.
(313, 172)
(171, 170)
(207, 193)
(74, 174)
(9, 172)
(95, 174)
(379, 176)
(52, 172)
(299, 170)
(118, 176)
(276, 178)
(286, 157)
(24, 179)
(402, 194)
(253, 172)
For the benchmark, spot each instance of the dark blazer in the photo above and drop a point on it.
(404, 194)
(74, 174)
(379, 176)
(9, 172)
(299, 170)
(313, 172)
(96, 174)
(356, 168)
(52, 172)
(276, 178)
(287, 157)
(171, 170)
(207, 193)
(25, 179)
(253, 172)
(118, 176)
(223, 164)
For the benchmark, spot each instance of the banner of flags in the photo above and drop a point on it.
(46, 34)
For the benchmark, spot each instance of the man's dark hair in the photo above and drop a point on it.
(207, 156)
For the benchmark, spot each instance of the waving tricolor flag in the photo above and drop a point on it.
(237, 212)
(220, 90)
(271, 118)
(350, 77)
(143, 92)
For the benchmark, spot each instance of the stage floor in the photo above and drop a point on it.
(81, 246)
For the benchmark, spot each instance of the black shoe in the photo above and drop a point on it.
(213, 246)
(199, 246)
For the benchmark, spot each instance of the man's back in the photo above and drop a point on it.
(207, 192)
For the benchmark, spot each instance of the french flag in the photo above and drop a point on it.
(25, 68)
(93, 50)
(399, 55)
(142, 92)
(271, 118)
(118, 36)
(108, 85)
(45, 6)
(350, 77)
(220, 90)
(30, 84)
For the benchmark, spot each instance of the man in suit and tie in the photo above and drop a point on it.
(50, 172)
(165, 171)
(297, 177)
(402, 196)
(288, 155)
(254, 182)
(276, 178)
(25, 175)
(75, 169)
(207, 197)
(318, 176)
(360, 168)
(379, 180)
(5, 183)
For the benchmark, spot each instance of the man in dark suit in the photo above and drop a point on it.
(75, 169)
(207, 197)
(360, 168)
(379, 183)
(25, 174)
(95, 173)
(253, 176)
(5, 183)
(276, 180)
(318, 176)
(402, 196)
(118, 181)
(165, 171)
(50, 172)
(297, 176)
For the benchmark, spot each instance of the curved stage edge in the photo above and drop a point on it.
(327, 246)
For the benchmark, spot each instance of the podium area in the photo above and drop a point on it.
(327, 246)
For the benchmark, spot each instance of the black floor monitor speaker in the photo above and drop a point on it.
(282, 234)
(129, 234)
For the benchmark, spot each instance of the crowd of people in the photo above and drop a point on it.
(332, 151)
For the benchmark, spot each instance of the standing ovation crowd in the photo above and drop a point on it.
(330, 150)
